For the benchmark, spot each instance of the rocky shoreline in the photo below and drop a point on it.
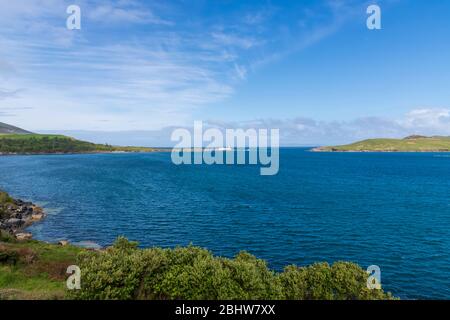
(16, 215)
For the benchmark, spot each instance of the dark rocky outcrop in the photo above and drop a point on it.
(15, 214)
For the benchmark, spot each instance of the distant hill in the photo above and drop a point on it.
(14, 140)
(51, 143)
(413, 143)
(9, 129)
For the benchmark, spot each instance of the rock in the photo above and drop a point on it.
(14, 222)
(19, 214)
(16, 215)
(63, 243)
(22, 209)
(88, 245)
(37, 216)
(23, 236)
(37, 210)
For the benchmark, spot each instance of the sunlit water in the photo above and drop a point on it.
(387, 209)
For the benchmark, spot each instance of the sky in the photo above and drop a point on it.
(138, 69)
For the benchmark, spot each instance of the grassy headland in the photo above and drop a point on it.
(50, 143)
(408, 144)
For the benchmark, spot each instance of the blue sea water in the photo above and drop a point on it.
(387, 209)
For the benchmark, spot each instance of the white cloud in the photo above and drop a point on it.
(306, 131)
(428, 121)
(297, 131)
(77, 80)
(129, 83)
(227, 39)
(115, 12)
(241, 71)
(4, 94)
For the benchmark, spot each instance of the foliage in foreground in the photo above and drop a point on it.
(125, 272)
(33, 269)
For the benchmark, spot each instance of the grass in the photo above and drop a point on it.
(409, 144)
(34, 270)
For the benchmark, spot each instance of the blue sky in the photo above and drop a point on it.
(310, 68)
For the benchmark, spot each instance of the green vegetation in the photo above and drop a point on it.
(409, 144)
(33, 269)
(37, 270)
(4, 200)
(47, 143)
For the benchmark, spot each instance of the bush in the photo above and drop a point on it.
(5, 198)
(115, 273)
(125, 272)
(341, 281)
(7, 256)
(13, 256)
(193, 273)
(6, 236)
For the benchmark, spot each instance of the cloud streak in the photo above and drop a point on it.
(138, 65)
(297, 131)
(4, 94)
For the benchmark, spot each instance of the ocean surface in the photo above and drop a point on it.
(385, 209)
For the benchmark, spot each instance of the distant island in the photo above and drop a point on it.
(15, 140)
(414, 143)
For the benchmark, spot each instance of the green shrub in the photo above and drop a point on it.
(194, 273)
(112, 274)
(8, 256)
(320, 281)
(6, 237)
(125, 272)
(5, 198)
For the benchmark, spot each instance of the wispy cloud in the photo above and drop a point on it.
(8, 93)
(124, 12)
(135, 63)
(428, 121)
(298, 131)
(307, 131)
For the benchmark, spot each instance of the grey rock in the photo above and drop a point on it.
(14, 222)
(24, 236)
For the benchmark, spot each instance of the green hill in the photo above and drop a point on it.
(408, 144)
(50, 143)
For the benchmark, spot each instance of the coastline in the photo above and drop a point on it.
(25, 262)
(412, 143)
(319, 149)
(78, 153)
(16, 215)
